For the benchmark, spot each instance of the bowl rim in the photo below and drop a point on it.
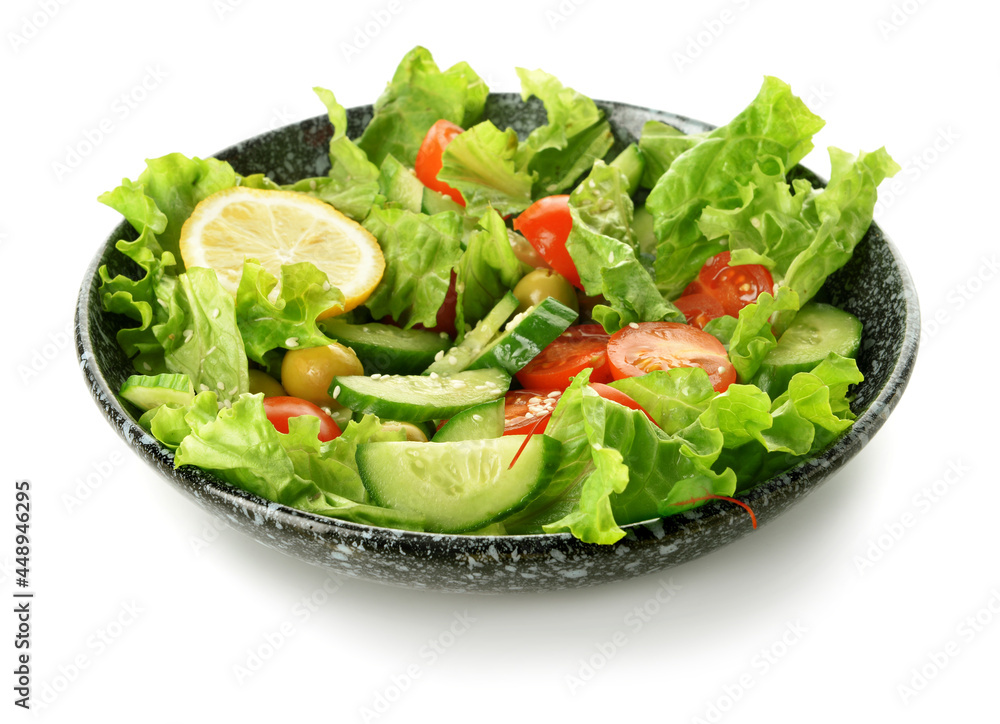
(162, 458)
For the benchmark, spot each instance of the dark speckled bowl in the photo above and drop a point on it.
(875, 286)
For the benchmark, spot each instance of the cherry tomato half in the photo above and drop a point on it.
(546, 224)
(636, 351)
(524, 408)
(733, 286)
(579, 347)
(280, 409)
(699, 308)
(610, 393)
(428, 162)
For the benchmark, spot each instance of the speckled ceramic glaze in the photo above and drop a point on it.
(875, 286)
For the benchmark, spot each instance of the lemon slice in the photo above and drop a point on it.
(281, 227)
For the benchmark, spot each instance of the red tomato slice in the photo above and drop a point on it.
(524, 408)
(280, 409)
(699, 308)
(428, 162)
(610, 393)
(734, 286)
(546, 224)
(579, 347)
(635, 351)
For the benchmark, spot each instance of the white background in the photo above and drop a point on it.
(139, 585)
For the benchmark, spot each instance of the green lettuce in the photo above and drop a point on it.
(289, 321)
(420, 252)
(351, 186)
(775, 124)
(487, 270)
(603, 248)
(661, 144)
(176, 184)
(749, 338)
(801, 234)
(575, 136)
(616, 468)
(241, 446)
(419, 95)
(674, 398)
(480, 163)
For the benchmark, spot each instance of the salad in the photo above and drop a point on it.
(460, 330)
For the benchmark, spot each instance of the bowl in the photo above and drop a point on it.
(874, 286)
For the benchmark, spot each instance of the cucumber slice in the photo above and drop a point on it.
(418, 398)
(526, 335)
(458, 357)
(457, 486)
(385, 349)
(817, 330)
(480, 422)
(148, 392)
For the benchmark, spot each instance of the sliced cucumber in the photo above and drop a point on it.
(417, 398)
(457, 486)
(399, 185)
(458, 357)
(385, 349)
(148, 392)
(526, 335)
(817, 330)
(480, 422)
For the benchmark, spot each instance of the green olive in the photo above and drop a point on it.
(307, 373)
(412, 432)
(263, 382)
(541, 283)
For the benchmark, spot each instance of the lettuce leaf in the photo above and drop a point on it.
(289, 321)
(749, 338)
(420, 252)
(674, 398)
(661, 144)
(487, 270)
(775, 124)
(804, 236)
(602, 245)
(480, 163)
(351, 186)
(176, 184)
(575, 135)
(419, 95)
(242, 447)
(200, 337)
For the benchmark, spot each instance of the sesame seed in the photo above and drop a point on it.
(534, 399)
(203, 387)
(145, 366)
(444, 335)
(326, 286)
(234, 390)
(529, 414)
(336, 392)
(633, 325)
(458, 384)
(292, 342)
(611, 256)
(477, 417)
(221, 385)
(452, 359)
(597, 446)
(188, 334)
(438, 356)
(721, 370)
(215, 314)
(210, 350)
(434, 375)
(376, 376)
(554, 394)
